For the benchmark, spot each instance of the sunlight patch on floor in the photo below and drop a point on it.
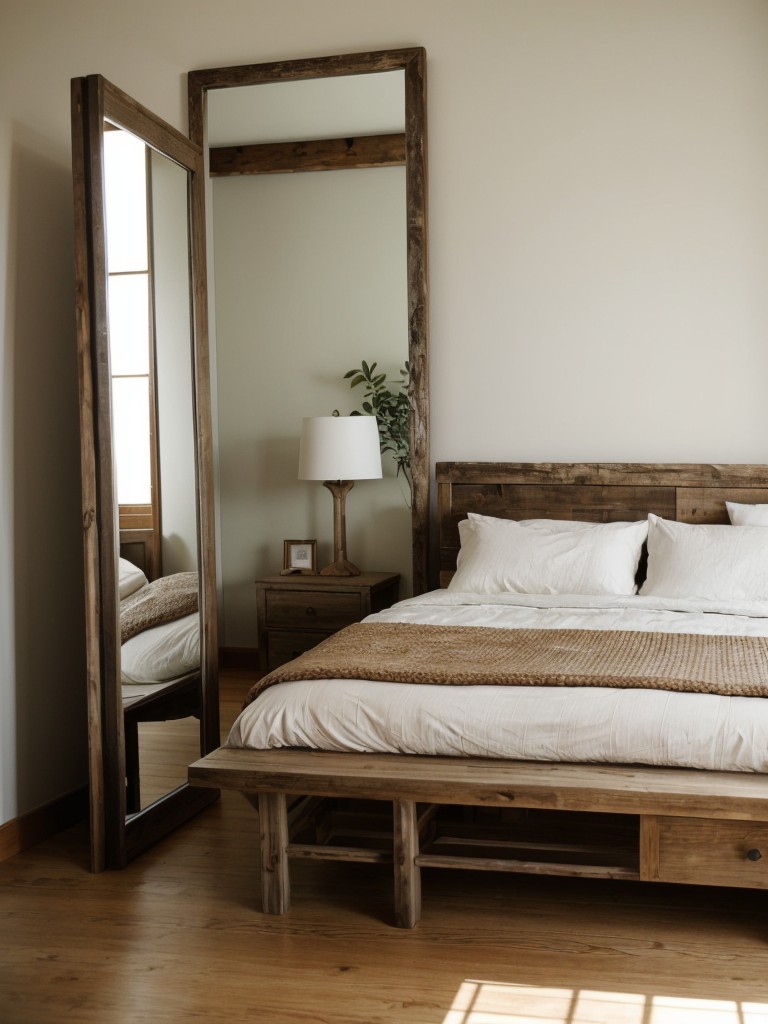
(491, 1002)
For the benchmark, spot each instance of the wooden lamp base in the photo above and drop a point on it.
(340, 566)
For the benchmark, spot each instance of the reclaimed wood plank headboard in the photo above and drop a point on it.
(598, 492)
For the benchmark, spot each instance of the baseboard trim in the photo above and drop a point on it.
(239, 657)
(34, 827)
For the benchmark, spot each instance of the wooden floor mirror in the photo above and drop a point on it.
(146, 469)
(359, 116)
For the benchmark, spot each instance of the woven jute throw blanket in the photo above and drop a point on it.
(164, 600)
(475, 655)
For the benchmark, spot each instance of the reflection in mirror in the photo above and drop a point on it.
(146, 478)
(310, 278)
(314, 273)
(149, 332)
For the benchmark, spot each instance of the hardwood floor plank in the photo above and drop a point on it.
(177, 935)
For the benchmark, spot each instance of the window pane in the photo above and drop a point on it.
(129, 323)
(126, 201)
(130, 430)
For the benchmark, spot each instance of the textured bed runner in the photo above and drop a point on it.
(477, 655)
(164, 600)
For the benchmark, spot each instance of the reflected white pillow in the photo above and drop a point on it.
(131, 578)
(501, 556)
(747, 515)
(162, 652)
(718, 563)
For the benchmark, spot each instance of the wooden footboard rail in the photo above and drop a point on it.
(676, 825)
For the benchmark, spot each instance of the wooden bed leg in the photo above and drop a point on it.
(273, 839)
(407, 871)
(649, 848)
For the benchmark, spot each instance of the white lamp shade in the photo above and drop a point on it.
(339, 448)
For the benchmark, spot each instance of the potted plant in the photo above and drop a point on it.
(388, 401)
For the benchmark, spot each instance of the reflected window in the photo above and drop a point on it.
(131, 335)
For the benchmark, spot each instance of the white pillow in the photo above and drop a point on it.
(747, 515)
(500, 556)
(562, 525)
(131, 578)
(554, 525)
(719, 563)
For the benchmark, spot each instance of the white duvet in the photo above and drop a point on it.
(162, 653)
(531, 723)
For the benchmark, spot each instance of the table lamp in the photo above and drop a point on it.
(339, 450)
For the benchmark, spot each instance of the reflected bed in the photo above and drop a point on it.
(159, 664)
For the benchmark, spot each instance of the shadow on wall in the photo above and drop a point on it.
(49, 670)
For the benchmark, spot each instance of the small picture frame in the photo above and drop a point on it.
(300, 557)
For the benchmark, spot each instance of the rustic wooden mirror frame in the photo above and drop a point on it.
(115, 838)
(413, 63)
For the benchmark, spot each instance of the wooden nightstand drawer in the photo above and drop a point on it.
(700, 850)
(286, 645)
(291, 608)
(297, 613)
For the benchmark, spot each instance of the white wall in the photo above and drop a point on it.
(310, 276)
(599, 252)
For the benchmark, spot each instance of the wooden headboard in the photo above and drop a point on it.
(594, 492)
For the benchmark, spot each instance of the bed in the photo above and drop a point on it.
(159, 657)
(549, 718)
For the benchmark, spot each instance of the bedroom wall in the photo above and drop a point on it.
(310, 279)
(599, 252)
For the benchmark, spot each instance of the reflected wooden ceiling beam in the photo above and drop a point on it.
(312, 155)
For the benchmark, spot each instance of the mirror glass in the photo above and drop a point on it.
(317, 220)
(146, 476)
(153, 444)
(310, 272)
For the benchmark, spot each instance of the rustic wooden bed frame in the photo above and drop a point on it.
(651, 824)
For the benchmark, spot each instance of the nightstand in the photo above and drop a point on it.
(297, 612)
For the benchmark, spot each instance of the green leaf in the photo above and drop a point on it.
(389, 401)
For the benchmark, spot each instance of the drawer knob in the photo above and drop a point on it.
(309, 610)
(754, 855)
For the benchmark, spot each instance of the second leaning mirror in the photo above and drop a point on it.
(318, 225)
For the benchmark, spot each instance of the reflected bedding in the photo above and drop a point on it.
(167, 650)
(162, 653)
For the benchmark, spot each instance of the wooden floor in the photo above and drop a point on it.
(177, 936)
